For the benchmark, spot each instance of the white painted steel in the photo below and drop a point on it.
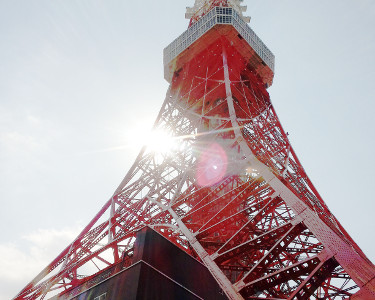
(343, 252)
(217, 15)
(214, 269)
(201, 7)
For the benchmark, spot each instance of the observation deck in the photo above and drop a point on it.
(226, 22)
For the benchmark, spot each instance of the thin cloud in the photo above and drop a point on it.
(21, 261)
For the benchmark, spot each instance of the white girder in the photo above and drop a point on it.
(202, 6)
(154, 187)
(343, 252)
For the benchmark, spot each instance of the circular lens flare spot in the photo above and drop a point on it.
(212, 165)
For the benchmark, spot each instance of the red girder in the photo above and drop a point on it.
(266, 245)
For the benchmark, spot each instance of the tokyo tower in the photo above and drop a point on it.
(226, 189)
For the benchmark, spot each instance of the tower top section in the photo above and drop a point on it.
(213, 20)
(201, 7)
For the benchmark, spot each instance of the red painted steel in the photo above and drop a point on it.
(232, 193)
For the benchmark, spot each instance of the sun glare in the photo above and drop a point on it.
(159, 141)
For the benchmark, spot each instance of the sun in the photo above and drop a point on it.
(160, 141)
(155, 139)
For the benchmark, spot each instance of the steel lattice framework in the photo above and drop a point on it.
(231, 192)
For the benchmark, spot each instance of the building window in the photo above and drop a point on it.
(101, 297)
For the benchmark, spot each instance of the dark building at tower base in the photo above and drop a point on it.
(157, 270)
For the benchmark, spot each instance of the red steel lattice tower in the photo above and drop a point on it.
(230, 191)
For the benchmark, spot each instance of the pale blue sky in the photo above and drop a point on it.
(76, 77)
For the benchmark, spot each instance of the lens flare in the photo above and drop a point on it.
(212, 165)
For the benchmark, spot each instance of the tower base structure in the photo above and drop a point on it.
(154, 269)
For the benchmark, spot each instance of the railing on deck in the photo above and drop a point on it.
(219, 15)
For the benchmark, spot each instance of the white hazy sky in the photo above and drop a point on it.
(78, 78)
